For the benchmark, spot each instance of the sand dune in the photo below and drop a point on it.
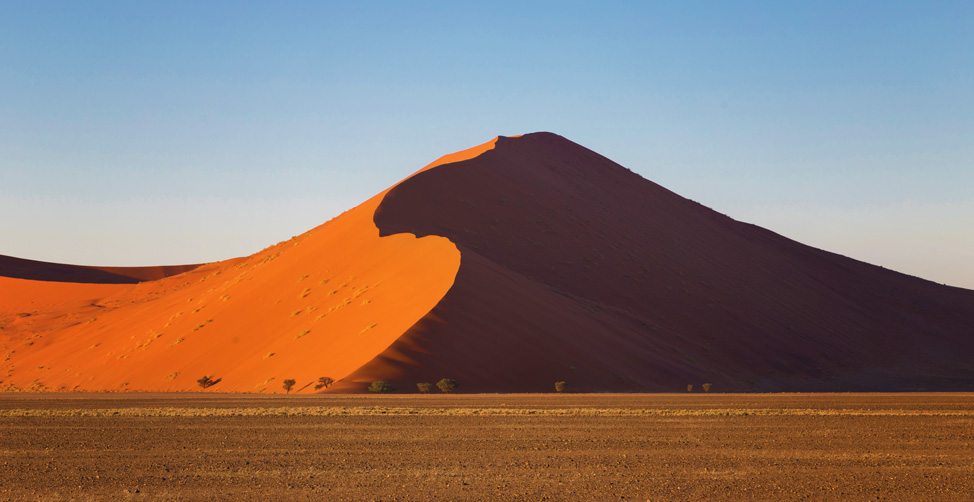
(321, 304)
(574, 268)
(509, 266)
(20, 268)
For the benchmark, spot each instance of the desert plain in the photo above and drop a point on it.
(203, 446)
(509, 266)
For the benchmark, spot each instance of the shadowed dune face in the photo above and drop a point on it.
(574, 268)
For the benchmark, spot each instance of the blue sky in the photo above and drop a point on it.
(136, 133)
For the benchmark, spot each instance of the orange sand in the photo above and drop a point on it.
(321, 304)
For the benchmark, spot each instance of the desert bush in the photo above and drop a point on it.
(560, 386)
(289, 384)
(324, 382)
(205, 382)
(707, 387)
(689, 387)
(381, 387)
(447, 385)
(424, 387)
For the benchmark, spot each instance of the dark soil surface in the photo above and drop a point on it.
(487, 447)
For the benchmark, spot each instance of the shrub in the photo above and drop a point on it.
(288, 384)
(381, 387)
(324, 382)
(706, 387)
(424, 387)
(560, 386)
(447, 385)
(689, 387)
(205, 382)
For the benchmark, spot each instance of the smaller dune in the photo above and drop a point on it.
(20, 268)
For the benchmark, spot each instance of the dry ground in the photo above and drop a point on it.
(487, 447)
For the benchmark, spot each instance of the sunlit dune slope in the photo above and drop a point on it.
(321, 304)
(575, 269)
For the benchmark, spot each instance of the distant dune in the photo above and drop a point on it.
(509, 266)
(19, 268)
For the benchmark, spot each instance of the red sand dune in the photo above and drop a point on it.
(536, 261)
(321, 304)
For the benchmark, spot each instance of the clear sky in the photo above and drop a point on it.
(143, 133)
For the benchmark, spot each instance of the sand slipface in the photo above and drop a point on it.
(507, 267)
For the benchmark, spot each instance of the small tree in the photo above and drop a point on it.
(205, 382)
(424, 387)
(381, 387)
(560, 386)
(288, 384)
(447, 385)
(689, 387)
(324, 382)
(706, 387)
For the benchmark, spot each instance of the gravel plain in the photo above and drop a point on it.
(131, 446)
